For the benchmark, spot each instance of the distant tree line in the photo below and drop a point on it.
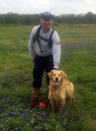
(13, 18)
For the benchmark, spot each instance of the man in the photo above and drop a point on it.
(45, 50)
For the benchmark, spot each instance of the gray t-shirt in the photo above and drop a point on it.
(34, 48)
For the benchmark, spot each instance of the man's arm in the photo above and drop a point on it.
(56, 50)
(31, 43)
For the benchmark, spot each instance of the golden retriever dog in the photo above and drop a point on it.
(60, 89)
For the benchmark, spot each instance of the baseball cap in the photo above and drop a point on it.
(46, 16)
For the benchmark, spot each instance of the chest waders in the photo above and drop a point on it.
(36, 37)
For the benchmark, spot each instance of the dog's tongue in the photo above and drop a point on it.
(56, 84)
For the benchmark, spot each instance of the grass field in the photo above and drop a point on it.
(78, 60)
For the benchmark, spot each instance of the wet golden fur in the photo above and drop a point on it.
(60, 89)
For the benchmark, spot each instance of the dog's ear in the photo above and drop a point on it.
(50, 74)
(64, 75)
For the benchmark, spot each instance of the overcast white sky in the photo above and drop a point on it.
(56, 7)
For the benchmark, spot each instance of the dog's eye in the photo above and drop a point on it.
(59, 74)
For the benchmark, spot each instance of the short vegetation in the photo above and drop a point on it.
(78, 60)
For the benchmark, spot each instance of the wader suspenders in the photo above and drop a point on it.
(36, 37)
(50, 42)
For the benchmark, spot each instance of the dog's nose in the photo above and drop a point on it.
(56, 79)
